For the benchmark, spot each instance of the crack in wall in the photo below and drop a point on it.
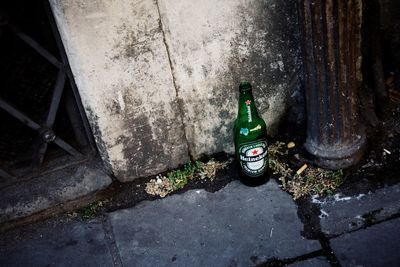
(179, 101)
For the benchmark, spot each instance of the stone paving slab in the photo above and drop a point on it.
(314, 262)
(77, 244)
(341, 214)
(227, 228)
(377, 245)
(35, 195)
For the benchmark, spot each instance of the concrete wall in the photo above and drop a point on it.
(158, 79)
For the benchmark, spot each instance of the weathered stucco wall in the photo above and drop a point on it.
(121, 67)
(215, 44)
(158, 79)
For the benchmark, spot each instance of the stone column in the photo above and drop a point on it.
(332, 61)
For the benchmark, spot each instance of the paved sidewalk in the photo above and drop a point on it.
(373, 246)
(236, 226)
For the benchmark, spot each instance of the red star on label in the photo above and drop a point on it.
(254, 152)
(248, 102)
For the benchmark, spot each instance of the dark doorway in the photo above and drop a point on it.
(42, 122)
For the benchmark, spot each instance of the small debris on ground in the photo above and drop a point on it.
(89, 211)
(210, 169)
(72, 215)
(394, 96)
(392, 85)
(276, 153)
(291, 145)
(315, 181)
(164, 185)
(299, 171)
(160, 186)
(307, 179)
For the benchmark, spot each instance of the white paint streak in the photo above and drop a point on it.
(273, 65)
(281, 65)
(121, 101)
(338, 198)
(360, 196)
(315, 200)
(323, 214)
(335, 198)
(96, 15)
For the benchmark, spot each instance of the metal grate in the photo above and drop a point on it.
(63, 92)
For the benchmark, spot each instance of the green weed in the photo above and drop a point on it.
(180, 178)
(89, 211)
(311, 181)
(174, 180)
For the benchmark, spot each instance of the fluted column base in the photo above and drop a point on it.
(332, 64)
(337, 156)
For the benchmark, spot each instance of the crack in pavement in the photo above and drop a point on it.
(110, 240)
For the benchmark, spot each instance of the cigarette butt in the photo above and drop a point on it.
(291, 145)
(387, 151)
(394, 95)
(389, 80)
(299, 171)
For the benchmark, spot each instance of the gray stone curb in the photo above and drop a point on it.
(377, 245)
(29, 197)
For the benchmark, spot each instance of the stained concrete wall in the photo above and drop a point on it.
(215, 44)
(121, 67)
(158, 79)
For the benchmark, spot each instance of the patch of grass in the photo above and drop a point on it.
(315, 181)
(276, 154)
(311, 181)
(180, 178)
(90, 211)
(174, 180)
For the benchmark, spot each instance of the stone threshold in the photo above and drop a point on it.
(58, 191)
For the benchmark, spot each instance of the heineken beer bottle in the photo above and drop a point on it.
(250, 140)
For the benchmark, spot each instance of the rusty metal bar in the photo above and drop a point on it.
(56, 98)
(37, 47)
(46, 135)
(70, 75)
(64, 93)
(6, 175)
(68, 148)
(39, 151)
(75, 119)
(18, 115)
(331, 61)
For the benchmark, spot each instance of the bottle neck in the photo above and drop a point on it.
(247, 107)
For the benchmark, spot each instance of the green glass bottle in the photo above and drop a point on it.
(250, 134)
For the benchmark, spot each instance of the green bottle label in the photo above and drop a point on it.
(248, 108)
(253, 157)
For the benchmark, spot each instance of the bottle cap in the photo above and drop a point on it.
(244, 86)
